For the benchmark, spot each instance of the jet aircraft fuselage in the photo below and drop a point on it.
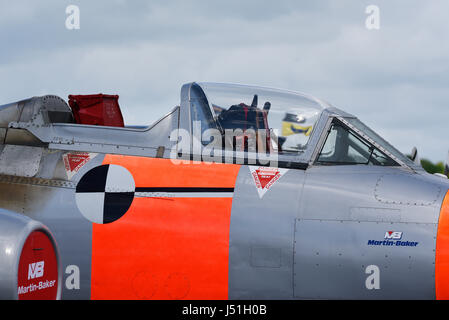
(240, 192)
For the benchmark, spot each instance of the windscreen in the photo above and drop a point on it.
(380, 141)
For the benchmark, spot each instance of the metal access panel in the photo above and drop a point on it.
(334, 260)
(20, 161)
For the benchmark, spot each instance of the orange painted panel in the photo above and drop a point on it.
(166, 248)
(151, 172)
(442, 253)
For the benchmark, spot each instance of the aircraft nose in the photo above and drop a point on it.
(442, 253)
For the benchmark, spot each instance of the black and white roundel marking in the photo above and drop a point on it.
(105, 193)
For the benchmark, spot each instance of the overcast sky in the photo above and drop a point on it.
(395, 79)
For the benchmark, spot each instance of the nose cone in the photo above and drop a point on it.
(442, 253)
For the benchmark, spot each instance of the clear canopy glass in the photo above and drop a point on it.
(289, 115)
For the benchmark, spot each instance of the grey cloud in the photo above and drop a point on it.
(394, 79)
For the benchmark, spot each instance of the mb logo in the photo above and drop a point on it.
(35, 270)
(393, 235)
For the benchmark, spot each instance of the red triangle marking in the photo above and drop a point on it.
(265, 176)
(77, 160)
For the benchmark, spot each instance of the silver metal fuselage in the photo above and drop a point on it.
(313, 235)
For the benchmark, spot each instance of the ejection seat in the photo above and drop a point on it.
(249, 119)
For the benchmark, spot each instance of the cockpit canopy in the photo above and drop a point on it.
(294, 126)
(287, 118)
